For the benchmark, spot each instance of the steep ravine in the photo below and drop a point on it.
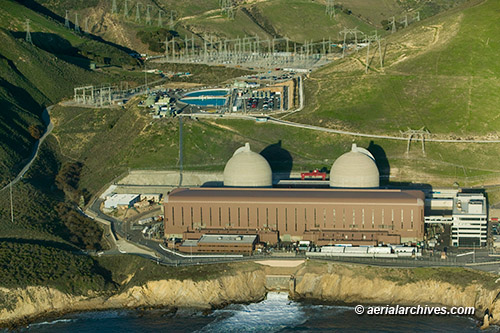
(337, 284)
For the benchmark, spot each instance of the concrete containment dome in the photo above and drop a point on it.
(247, 169)
(355, 169)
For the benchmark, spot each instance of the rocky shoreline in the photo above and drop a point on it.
(339, 283)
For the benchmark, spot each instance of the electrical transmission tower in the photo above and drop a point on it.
(114, 8)
(66, 20)
(421, 133)
(148, 14)
(166, 46)
(330, 8)
(159, 17)
(28, 33)
(417, 17)
(77, 27)
(125, 9)
(171, 23)
(227, 8)
(346, 32)
(369, 39)
(393, 24)
(86, 29)
(138, 12)
(405, 21)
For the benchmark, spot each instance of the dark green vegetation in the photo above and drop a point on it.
(130, 271)
(434, 71)
(35, 76)
(29, 263)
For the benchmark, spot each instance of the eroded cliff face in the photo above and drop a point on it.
(340, 283)
(18, 305)
(243, 287)
(357, 289)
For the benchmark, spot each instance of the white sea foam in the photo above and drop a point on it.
(57, 321)
(271, 315)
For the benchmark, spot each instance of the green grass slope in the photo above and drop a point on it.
(302, 20)
(441, 74)
(34, 76)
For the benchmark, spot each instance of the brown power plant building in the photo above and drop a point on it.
(324, 216)
(353, 211)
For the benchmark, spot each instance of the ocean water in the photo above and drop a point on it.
(274, 314)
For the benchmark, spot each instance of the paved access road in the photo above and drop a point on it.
(36, 148)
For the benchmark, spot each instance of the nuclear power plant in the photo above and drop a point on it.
(353, 210)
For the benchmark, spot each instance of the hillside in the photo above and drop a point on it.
(298, 20)
(34, 76)
(441, 74)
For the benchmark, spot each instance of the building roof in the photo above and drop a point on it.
(355, 169)
(298, 196)
(247, 169)
(469, 204)
(228, 239)
(120, 199)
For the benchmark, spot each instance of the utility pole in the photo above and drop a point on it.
(66, 20)
(28, 33)
(77, 27)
